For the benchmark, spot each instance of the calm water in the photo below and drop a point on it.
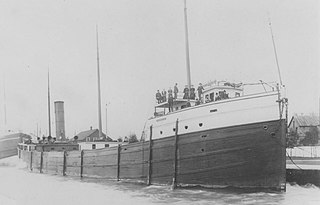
(19, 186)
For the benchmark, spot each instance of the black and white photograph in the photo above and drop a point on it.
(159, 102)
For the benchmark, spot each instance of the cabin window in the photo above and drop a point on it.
(74, 148)
(52, 148)
(207, 99)
(211, 96)
(161, 132)
(174, 129)
(214, 110)
(106, 145)
(186, 127)
(237, 94)
(93, 146)
(200, 124)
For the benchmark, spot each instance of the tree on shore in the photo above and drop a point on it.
(133, 138)
(312, 137)
(292, 139)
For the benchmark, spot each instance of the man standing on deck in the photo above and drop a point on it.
(170, 100)
(192, 93)
(186, 92)
(175, 91)
(158, 96)
(164, 95)
(200, 89)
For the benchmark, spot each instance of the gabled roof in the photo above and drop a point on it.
(306, 120)
(84, 134)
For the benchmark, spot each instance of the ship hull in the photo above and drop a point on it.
(240, 156)
(9, 143)
(8, 147)
(250, 155)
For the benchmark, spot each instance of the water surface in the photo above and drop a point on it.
(20, 186)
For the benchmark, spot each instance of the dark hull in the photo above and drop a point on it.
(8, 148)
(251, 155)
(9, 143)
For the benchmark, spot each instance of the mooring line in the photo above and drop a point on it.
(293, 161)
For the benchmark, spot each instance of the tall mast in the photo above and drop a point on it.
(99, 95)
(275, 52)
(49, 116)
(4, 103)
(187, 45)
(107, 120)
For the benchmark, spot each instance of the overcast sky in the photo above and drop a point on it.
(142, 49)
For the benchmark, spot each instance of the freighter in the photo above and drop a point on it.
(237, 141)
(224, 138)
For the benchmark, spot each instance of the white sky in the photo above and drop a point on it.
(142, 49)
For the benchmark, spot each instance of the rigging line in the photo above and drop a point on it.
(283, 146)
(293, 161)
(275, 52)
(267, 83)
(263, 86)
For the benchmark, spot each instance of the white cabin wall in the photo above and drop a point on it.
(236, 111)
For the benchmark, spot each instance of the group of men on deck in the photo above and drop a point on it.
(173, 94)
(191, 94)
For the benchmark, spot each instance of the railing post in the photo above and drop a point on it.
(81, 163)
(64, 163)
(175, 162)
(41, 162)
(150, 157)
(31, 156)
(118, 162)
(19, 152)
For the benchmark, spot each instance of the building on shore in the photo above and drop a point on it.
(305, 129)
(91, 136)
(90, 139)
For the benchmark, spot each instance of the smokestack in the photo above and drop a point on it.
(59, 114)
